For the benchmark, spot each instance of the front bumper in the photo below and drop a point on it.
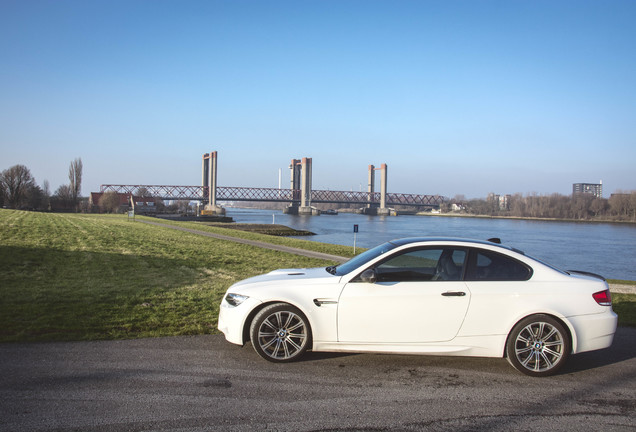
(232, 319)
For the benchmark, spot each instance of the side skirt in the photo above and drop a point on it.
(489, 346)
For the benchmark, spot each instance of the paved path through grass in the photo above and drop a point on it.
(275, 247)
(622, 289)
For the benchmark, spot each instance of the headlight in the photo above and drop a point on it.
(235, 299)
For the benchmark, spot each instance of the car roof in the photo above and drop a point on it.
(408, 240)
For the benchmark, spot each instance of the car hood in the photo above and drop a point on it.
(307, 276)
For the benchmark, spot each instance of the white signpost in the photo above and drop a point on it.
(355, 235)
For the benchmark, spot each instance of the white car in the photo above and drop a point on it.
(425, 296)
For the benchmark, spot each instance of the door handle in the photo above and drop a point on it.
(454, 294)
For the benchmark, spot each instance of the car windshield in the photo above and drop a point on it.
(359, 260)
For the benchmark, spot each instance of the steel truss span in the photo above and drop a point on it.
(200, 193)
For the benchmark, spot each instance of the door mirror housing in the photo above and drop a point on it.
(368, 276)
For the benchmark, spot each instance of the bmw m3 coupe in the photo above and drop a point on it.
(436, 296)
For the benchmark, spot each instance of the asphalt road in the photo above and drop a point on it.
(204, 383)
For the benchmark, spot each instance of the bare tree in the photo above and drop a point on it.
(46, 188)
(632, 204)
(619, 204)
(35, 199)
(183, 206)
(16, 183)
(75, 177)
(109, 202)
(143, 192)
(46, 191)
(65, 193)
(598, 206)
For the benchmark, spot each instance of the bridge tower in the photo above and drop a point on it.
(208, 180)
(301, 188)
(371, 185)
(373, 208)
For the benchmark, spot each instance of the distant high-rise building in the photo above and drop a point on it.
(503, 201)
(588, 189)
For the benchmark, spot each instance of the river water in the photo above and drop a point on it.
(606, 249)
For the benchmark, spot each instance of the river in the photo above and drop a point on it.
(606, 249)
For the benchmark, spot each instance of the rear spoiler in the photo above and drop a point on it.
(587, 274)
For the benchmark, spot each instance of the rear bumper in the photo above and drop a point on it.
(593, 332)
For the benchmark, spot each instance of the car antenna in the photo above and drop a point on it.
(495, 240)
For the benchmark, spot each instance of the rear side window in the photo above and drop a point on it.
(487, 265)
(428, 264)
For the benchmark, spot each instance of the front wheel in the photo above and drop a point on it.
(538, 345)
(280, 333)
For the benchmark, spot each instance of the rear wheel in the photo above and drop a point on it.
(538, 345)
(280, 333)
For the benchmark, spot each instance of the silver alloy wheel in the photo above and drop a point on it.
(282, 335)
(539, 346)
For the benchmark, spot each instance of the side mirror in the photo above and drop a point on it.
(368, 276)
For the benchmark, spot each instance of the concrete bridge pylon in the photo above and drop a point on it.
(209, 183)
(373, 208)
(301, 181)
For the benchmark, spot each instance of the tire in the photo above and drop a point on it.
(280, 333)
(538, 345)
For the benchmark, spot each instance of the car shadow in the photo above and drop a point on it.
(623, 348)
(317, 356)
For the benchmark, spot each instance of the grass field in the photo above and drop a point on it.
(82, 277)
(625, 306)
(85, 277)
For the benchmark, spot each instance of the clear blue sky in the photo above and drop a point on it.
(457, 97)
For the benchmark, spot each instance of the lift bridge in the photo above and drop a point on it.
(200, 193)
(299, 196)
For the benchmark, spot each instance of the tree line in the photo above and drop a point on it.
(18, 190)
(620, 206)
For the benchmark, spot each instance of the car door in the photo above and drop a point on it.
(501, 291)
(418, 296)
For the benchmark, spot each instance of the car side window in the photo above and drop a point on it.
(491, 266)
(423, 265)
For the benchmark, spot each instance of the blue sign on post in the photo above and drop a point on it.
(355, 228)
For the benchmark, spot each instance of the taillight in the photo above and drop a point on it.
(604, 298)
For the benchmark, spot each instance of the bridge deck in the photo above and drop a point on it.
(200, 193)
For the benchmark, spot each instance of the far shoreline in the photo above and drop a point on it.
(464, 215)
(528, 218)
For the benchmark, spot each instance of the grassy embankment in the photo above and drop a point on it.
(85, 277)
(625, 306)
(254, 234)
